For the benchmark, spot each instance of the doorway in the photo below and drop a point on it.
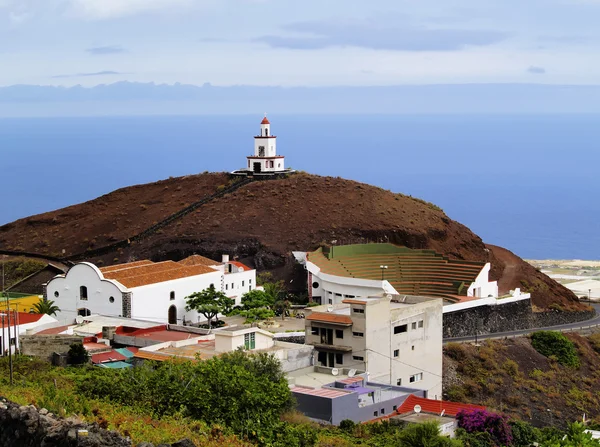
(172, 315)
(257, 167)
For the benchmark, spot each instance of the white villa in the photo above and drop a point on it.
(264, 161)
(146, 290)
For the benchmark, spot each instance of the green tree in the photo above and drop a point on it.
(46, 307)
(255, 299)
(575, 437)
(77, 354)
(282, 306)
(426, 434)
(274, 290)
(210, 302)
(257, 314)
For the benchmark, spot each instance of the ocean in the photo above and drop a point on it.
(526, 182)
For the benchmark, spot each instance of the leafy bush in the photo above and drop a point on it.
(246, 393)
(482, 421)
(550, 343)
(78, 355)
(425, 434)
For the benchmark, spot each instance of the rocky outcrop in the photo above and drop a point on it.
(26, 426)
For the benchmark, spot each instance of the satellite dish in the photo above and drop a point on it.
(417, 408)
(78, 319)
(352, 373)
(389, 296)
(330, 308)
(335, 372)
(240, 269)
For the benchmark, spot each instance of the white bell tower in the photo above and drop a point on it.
(265, 158)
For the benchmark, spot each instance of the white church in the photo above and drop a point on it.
(264, 161)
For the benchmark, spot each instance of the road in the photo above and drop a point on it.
(570, 327)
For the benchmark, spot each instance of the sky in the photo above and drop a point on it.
(299, 43)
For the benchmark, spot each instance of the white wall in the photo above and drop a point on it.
(426, 358)
(227, 341)
(99, 292)
(344, 286)
(152, 302)
(482, 287)
(21, 329)
(242, 283)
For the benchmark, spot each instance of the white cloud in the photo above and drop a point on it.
(108, 9)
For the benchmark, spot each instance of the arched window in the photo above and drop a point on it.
(266, 131)
(83, 293)
(172, 295)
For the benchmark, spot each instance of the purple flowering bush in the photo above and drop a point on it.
(476, 421)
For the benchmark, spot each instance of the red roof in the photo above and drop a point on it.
(110, 356)
(26, 318)
(265, 121)
(239, 264)
(435, 406)
(330, 318)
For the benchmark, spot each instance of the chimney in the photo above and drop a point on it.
(225, 259)
(108, 332)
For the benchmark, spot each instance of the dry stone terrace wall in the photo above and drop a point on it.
(44, 346)
(505, 318)
(26, 426)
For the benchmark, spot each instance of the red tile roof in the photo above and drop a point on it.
(435, 406)
(198, 260)
(239, 264)
(54, 330)
(26, 318)
(152, 273)
(330, 318)
(110, 356)
(351, 301)
(265, 121)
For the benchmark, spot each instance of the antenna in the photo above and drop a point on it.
(352, 373)
(417, 408)
(335, 372)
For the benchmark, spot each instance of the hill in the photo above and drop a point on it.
(512, 377)
(261, 223)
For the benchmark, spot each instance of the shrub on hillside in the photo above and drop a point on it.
(483, 421)
(551, 343)
(246, 392)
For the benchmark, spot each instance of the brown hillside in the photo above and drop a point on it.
(262, 223)
(512, 377)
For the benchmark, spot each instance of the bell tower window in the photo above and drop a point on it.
(261, 151)
(266, 131)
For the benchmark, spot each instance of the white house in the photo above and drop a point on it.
(353, 271)
(146, 290)
(20, 323)
(265, 160)
(396, 339)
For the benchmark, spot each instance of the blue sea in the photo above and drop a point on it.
(528, 183)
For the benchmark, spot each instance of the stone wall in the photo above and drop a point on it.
(44, 346)
(25, 426)
(505, 318)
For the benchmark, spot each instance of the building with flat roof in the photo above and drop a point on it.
(146, 290)
(336, 273)
(331, 395)
(396, 339)
(292, 356)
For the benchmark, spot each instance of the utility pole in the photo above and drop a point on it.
(10, 359)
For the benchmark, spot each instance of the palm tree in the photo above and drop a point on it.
(45, 307)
